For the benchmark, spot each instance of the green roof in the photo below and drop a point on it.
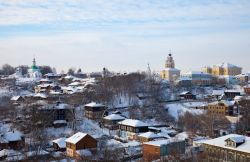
(34, 67)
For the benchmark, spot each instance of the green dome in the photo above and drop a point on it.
(34, 67)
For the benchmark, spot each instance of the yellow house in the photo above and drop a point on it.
(230, 148)
(221, 107)
(223, 69)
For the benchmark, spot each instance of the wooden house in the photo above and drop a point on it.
(46, 88)
(230, 94)
(17, 100)
(59, 113)
(79, 141)
(154, 150)
(59, 144)
(129, 129)
(94, 111)
(111, 121)
(12, 140)
(187, 95)
(52, 76)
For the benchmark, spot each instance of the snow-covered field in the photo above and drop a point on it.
(178, 109)
(194, 104)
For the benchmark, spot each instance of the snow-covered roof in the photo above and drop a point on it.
(238, 139)
(54, 93)
(61, 106)
(226, 65)
(227, 103)
(15, 98)
(46, 85)
(238, 98)
(185, 92)
(114, 117)
(60, 122)
(217, 92)
(197, 73)
(60, 142)
(74, 84)
(149, 135)
(69, 77)
(84, 152)
(133, 123)
(172, 69)
(182, 78)
(11, 153)
(94, 104)
(232, 91)
(12, 136)
(52, 74)
(220, 142)
(45, 80)
(76, 137)
(41, 95)
(160, 143)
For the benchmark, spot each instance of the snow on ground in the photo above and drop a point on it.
(122, 100)
(25, 80)
(182, 135)
(194, 104)
(152, 122)
(92, 128)
(5, 92)
(178, 109)
(233, 119)
(54, 133)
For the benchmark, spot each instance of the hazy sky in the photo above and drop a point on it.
(125, 35)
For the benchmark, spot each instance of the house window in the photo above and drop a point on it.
(60, 115)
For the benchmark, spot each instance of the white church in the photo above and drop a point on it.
(170, 72)
(34, 71)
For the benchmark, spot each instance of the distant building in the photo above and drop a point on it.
(198, 78)
(170, 72)
(79, 141)
(154, 150)
(223, 69)
(53, 76)
(12, 140)
(184, 82)
(47, 88)
(242, 78)
(230, 80)
(230, 148)
(34, 71)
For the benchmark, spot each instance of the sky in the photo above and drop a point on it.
(125, 35)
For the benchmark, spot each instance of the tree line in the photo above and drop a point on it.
(7, 69)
